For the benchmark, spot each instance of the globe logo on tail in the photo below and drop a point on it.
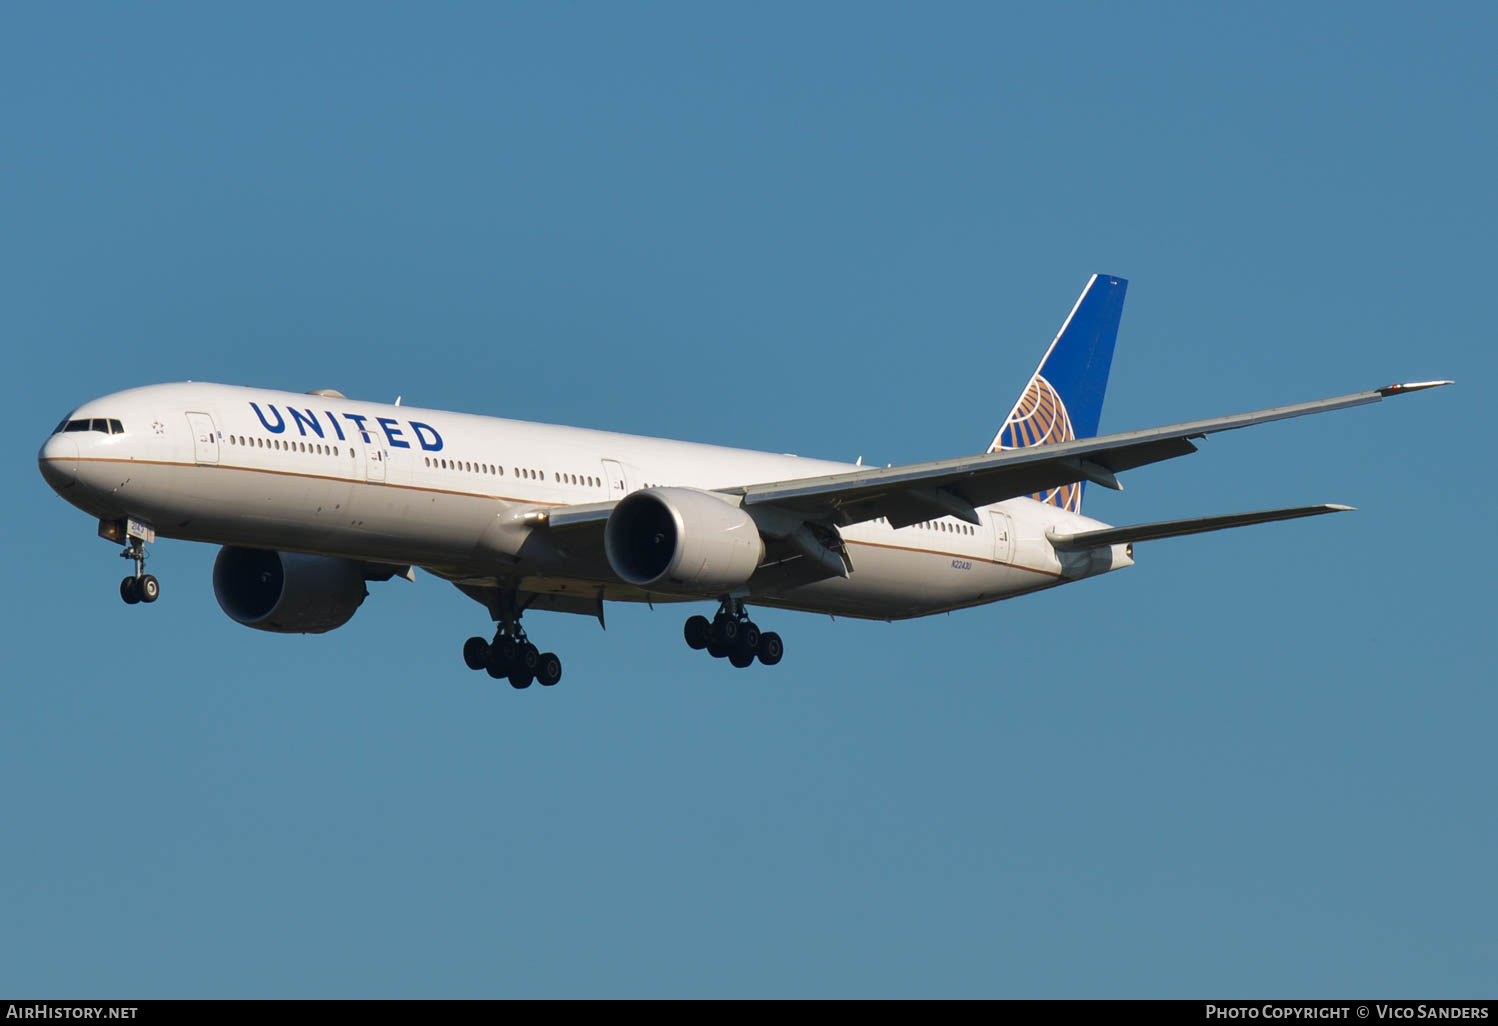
(1040, 418)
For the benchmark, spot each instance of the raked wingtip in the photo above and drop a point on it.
(1411, 386)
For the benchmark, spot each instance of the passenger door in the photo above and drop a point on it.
(375, 458)
(613, 475)
(1003, 535)
(204, 438)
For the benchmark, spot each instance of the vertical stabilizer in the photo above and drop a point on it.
(1064, 399)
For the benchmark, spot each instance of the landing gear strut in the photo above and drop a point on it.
(140, 587)
(511, 655)
(733, 636)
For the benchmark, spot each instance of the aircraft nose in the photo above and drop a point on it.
(58, 462)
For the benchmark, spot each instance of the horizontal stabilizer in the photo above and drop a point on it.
(1176, 528)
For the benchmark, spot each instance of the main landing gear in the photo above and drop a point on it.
(511, 655)
(141, 587)
(732, 635)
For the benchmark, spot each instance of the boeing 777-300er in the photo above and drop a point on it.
(312, 495)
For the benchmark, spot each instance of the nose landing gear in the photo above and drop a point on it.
(733, 636)
(140, 587)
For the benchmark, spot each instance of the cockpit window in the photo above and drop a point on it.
(103, 425)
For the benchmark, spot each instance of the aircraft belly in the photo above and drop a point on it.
(296, 512)
(421, 524)
(897, 583)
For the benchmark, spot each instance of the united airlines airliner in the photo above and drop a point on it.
(313, 495)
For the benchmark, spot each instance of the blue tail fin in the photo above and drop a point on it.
(1064, 399)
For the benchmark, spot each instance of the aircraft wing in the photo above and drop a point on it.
(955, 487)
(958, 486)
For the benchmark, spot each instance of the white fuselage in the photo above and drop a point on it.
(332, 476)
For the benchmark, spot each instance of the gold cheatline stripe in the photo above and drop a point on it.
(950, 555)
(486, 495)
(298, 473)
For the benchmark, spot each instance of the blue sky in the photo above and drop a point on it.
(1259, 763)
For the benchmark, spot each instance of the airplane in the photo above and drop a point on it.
(313, 495)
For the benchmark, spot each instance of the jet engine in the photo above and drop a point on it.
(287, 592)
(682, 540)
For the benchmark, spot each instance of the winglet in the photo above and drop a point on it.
(1412, 386)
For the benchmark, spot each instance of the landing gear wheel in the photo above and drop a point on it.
(148, 588)
(770, 648)
(127, 591)
(511, 655)
(742, 657)
(717, 649)
(476, 653)
(506, 650)
(497, 666)
(726, 631)
(749, 637)
(698, 631)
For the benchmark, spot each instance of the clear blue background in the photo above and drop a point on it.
(1258, 764)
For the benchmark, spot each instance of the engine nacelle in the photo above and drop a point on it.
(286, 592)
(682, 540)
